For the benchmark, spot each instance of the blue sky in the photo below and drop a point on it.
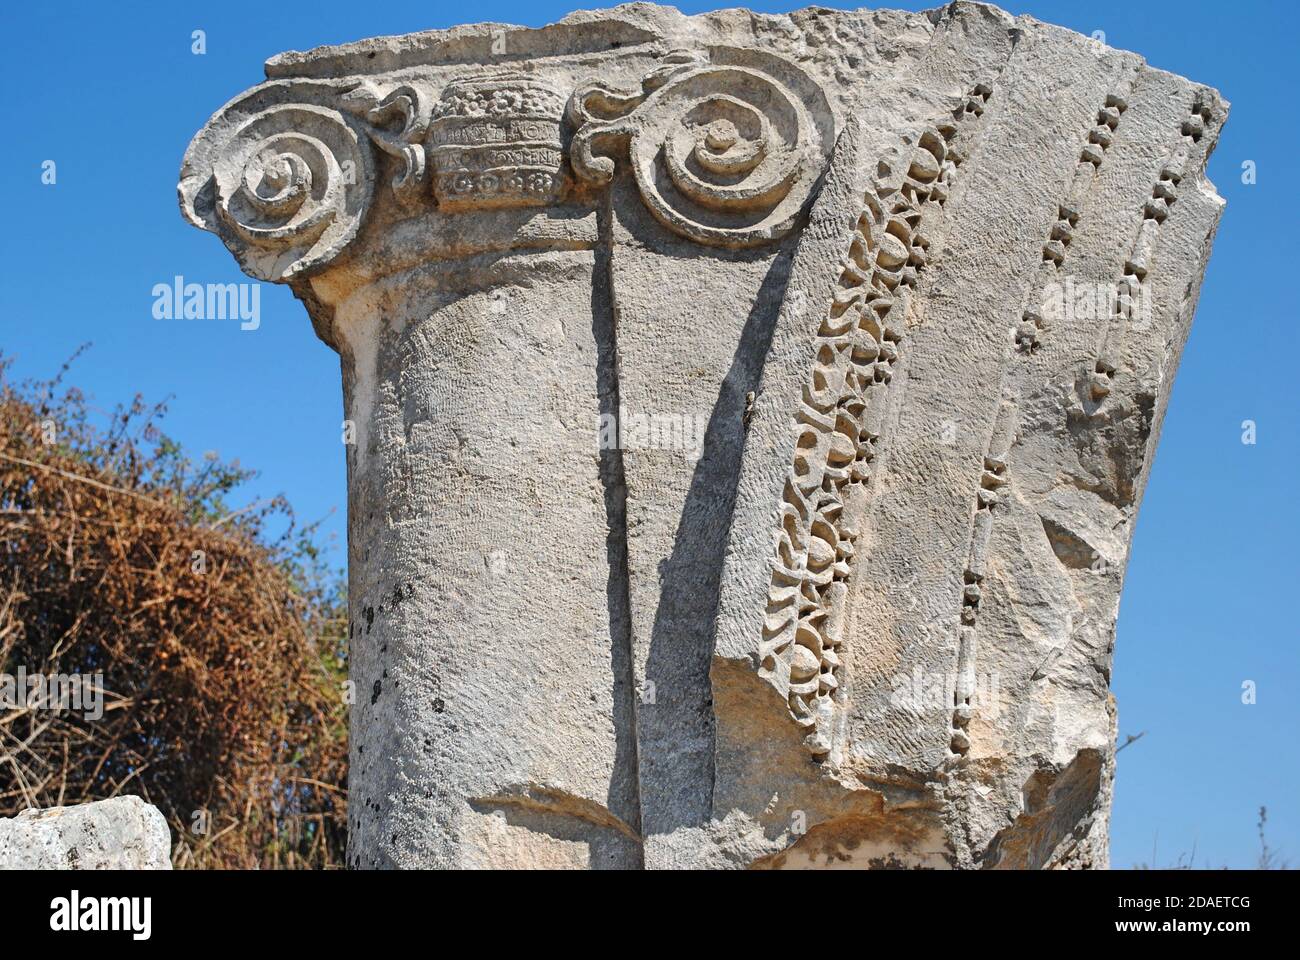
(113, 94)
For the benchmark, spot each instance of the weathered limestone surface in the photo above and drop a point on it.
(751, 414)
(123, 833)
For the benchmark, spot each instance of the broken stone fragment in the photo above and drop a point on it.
(123, 833)
(885, 308)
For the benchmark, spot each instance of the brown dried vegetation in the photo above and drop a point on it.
(222, 648)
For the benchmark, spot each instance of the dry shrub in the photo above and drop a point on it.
(222, 649)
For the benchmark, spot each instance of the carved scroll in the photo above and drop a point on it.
(406, 106)
(841, 419)
(284, 184)
(285, 174)
(725, 154)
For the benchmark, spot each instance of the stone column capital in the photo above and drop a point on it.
(750, 414)
(318, 163)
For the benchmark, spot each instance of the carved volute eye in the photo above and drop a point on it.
(276, 184)
(719, 140)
